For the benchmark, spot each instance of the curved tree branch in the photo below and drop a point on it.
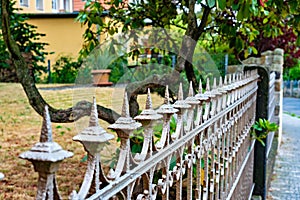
(153, 82)
(35, 99)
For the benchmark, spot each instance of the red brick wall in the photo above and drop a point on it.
(78, 5)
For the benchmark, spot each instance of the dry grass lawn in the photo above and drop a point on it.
(20, 130)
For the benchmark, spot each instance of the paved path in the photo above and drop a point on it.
(291, 105)
(286, 182)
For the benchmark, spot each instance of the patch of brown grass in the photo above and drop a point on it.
(20, 130)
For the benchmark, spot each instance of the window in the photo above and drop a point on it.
(67, 6)
(55, 5)
(39, 4)
(24, 3)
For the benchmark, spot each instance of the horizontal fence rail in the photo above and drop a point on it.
(209, 155)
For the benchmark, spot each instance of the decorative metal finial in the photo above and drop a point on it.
(46, 156)
(180, 92)
(215, 83)
(220, 82)
(94, 114)
(125, 108)
(166, 101)
(148, 114)
(180, 103)
(200, 87)
(46, 132)
(149, 100)
(229, 79)
(191, 91)
(207, 85)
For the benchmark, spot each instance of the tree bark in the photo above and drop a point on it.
(37, 102)
(189, 43)
(82, 108)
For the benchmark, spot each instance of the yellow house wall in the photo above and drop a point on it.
(63, 35)
(31, 8)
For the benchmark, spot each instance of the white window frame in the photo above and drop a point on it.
(24, 3)
(55, 5)
(39, 7)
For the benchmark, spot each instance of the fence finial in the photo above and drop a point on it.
(207, 85)
(200, 87)
(215, 83)
(180, 92)
(46, 132)
(229, 79)
(125, 108)
(166, 101)
(225, 79)
(180, 103)
(149, 100)
(191, 90)
(94, 114)
(220, 82)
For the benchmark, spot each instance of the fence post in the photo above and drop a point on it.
(263, 160)
(46, 156)
(260, 151)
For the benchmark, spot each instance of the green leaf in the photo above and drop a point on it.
(254, 50)
(240, 15)
(211, 3)
(235, 6)
(136, 148)
(266, 12)
(265, 20)
(222, 4)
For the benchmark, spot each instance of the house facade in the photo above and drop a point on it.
(56, 19)
(50, 6)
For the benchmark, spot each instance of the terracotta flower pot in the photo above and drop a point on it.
(101, 77)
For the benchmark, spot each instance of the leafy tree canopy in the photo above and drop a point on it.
(26, 37)
(242, 24)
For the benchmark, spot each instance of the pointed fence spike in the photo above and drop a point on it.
(215, 83)
(200, 87)
(207, 85)
(46, 132)
(225, 79)
(191, 90)
(220, 81)
(180, 92)
(166, 101)
(125, 108)
(94, 114)
(229, 79)
(149, 100)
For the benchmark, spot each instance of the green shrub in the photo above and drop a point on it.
(261, 129)
(294, 73)
(65, 70)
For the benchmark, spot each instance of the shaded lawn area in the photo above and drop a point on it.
(20, 129)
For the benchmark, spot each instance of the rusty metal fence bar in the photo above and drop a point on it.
(209, 156)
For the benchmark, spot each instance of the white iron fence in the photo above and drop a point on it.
(208, 156)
